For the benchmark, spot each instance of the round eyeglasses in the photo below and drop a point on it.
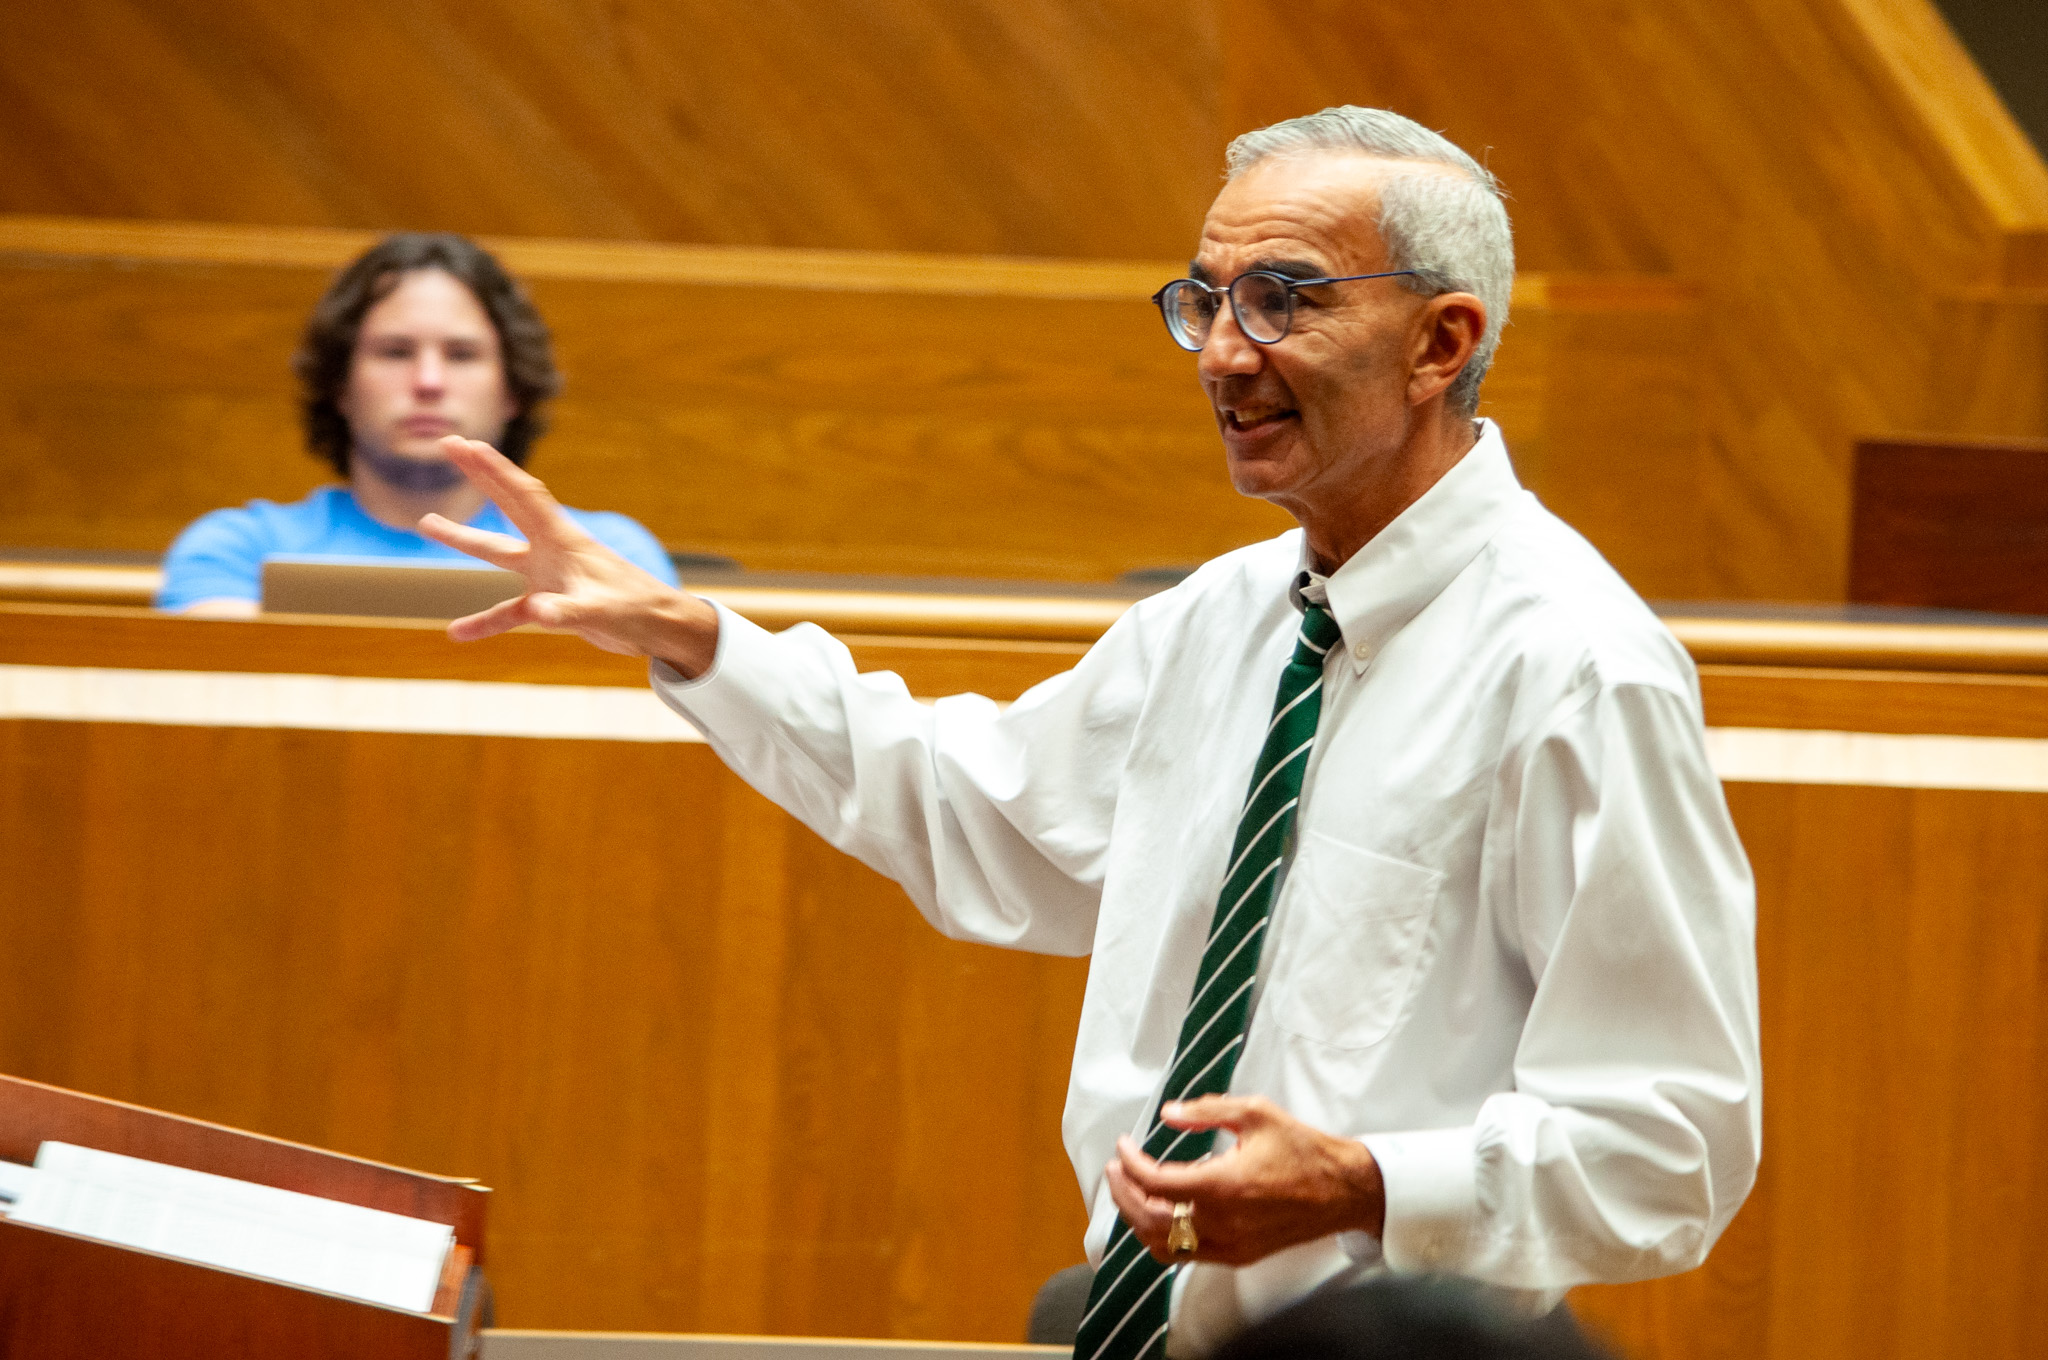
(1261, 300)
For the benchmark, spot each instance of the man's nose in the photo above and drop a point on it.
(1228, 351)
(429, 371)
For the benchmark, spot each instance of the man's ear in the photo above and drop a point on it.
(1446, 334)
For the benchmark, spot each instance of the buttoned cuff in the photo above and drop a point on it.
(1432, 1195)
(1362, 1247)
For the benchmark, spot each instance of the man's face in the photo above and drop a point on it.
(426, 365)
(1304, 419)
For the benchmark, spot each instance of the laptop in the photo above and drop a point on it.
(383, 587)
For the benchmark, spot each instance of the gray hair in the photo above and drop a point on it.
(1452, 230)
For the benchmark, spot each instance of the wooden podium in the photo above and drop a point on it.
(64, 1297)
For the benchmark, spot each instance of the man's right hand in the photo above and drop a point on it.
(573, 582)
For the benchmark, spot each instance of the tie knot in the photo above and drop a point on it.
(1319, 633)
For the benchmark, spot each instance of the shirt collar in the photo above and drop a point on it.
(1407, 564)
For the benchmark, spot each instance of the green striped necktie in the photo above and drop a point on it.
(1127, 1304)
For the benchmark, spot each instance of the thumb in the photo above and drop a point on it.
(550, 610)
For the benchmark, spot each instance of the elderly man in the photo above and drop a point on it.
(1440, 958)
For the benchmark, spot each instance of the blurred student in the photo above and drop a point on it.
(424, 336)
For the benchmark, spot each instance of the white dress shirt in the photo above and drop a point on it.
(1514, 949)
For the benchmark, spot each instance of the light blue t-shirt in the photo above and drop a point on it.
(220, 554)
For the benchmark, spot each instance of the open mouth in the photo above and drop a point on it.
(1252, 421)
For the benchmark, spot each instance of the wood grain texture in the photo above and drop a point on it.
(1901, 954)
(1879, 657)
(78, 239)
(1951, 524)
(121, 639)
(30, 581)
(31, 1113)
(1054, 128)
(1928, 66)
(720, 1076)
(790, 428)
(72, 1298)
(1598, 391)
(992, 418)
(2020, 649)
(1835, 174)
(1991, 364)
(67, 1298)
(1832, 173)
(1903, 702)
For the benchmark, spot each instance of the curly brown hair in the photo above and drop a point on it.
(327, 351)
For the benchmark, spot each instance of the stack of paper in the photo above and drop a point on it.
(14, 1180)
(280, 1235)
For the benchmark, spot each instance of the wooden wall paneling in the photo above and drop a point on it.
(844, 432)
(880, 414)
(130, 393)
(1926, 66)
(1900, 943)
(1828, 171)
(1597, 390)
(719, 1074)
(716, 1071)
(1990, 364)
(792, 428)
(1054, 128)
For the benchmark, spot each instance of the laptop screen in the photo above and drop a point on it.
(383, 587)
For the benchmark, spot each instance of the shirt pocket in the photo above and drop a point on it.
(1361, 934)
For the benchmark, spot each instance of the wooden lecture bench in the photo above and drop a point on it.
(494, 911)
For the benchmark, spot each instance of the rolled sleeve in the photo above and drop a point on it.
(1634, 1128)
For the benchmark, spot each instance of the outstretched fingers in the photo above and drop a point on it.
(499, 618)
(500, 550)
(523, 497)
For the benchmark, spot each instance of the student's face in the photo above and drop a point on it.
(427, 365)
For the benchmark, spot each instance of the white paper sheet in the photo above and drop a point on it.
(278, 1234)
(14, 1181)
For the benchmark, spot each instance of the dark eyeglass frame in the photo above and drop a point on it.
(1287, 287)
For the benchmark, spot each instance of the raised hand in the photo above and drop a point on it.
(1282, 1183)
(573, 582)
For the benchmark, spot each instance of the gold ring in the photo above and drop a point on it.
(1180, 1238)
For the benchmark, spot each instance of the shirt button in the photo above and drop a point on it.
(1363, 651)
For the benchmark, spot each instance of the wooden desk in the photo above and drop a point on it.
(720, 1075)
(1949, 521)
